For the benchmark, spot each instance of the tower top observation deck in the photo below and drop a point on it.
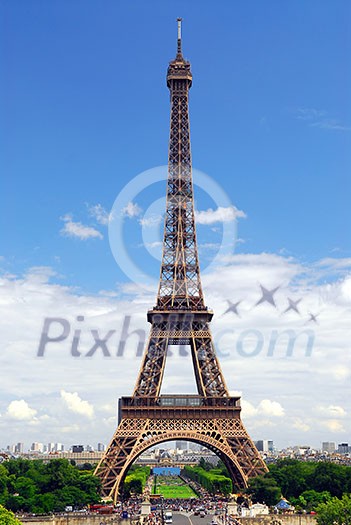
(179, 68)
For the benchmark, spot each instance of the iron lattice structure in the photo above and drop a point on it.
(212, 418)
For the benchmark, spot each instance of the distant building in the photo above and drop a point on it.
(328, 446)
(343, 448)
(262, 445)
(19, 448)
(270, 446)
(195, 447)
(302, 450)
(77, 449)
(212, 459)
(51, 447)
(79, 458)
(37, 447)
(181, 445)
(101, 447)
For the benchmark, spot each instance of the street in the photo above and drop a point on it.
(186, 518)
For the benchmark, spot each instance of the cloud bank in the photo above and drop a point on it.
(291, 393)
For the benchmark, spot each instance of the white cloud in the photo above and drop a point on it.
(309, 113)
(333, 425)
(209, 246)
(301, 425)
(235, 393)
(330, 123)
(270, 408)
(78, 230)
(40, 274)
(333, 411)
(331, 262)
(152, 245)
(319, 118)
(70, 429)
(221, 214)
(76, 404)
(346, 289)
(151, 221)
(340, 372)
(100, 214)
(264, 408)
(109, 408)
(131, 210)
(248, 410)
(20, 410)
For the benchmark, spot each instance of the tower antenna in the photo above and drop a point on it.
(179, 41)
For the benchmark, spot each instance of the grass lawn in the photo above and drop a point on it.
(171, 487)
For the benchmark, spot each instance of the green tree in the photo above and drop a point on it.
(221, 466)
(43, 503)
(4, 480)
(335, 512)
(292, 476)
(85, 466)
(330, 477)
(310, 499)
(211, 480)
(60, 473)
(40, 487)
(91, 486)
(136, 480)
(264, 489)
(25, 487)
(205, 464)
(7, 517)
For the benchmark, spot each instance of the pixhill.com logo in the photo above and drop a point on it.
(265, 327)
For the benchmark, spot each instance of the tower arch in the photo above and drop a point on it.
(213, 443)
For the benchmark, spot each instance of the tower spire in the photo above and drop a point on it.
(180, 284)
(179, 41)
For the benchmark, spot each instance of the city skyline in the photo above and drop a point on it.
(270, 127)
(263, 445)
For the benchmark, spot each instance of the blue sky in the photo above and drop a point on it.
(84, 109)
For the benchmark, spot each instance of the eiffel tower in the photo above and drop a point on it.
(180, 317)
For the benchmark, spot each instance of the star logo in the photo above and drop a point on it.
(233, 307)
(267, 296)
(293, 306)
(312, 318)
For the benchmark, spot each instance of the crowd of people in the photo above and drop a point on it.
(205, 503)
(208, 504)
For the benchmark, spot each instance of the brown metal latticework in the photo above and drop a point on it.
(211, 418)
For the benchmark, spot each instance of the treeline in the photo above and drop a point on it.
(135, 480)
(212, 480)
(40, 488)
(304, 484)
